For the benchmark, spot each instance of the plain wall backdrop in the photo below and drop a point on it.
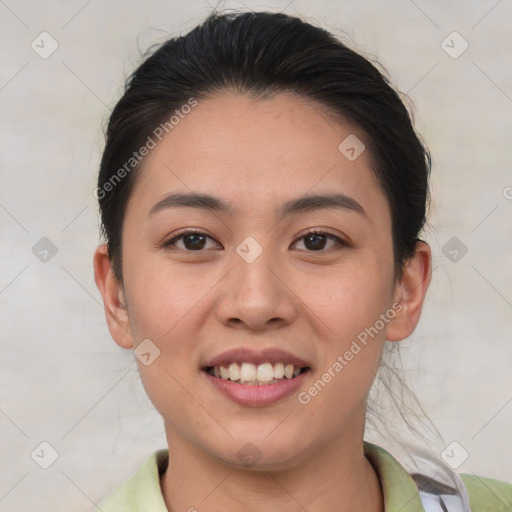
(65, 382)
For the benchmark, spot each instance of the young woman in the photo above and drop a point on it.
(262, 193)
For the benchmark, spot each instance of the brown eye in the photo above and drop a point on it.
(192, 241)
(317, 240)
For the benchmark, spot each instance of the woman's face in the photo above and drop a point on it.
(251, 282)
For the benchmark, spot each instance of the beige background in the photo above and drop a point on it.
(64, 381)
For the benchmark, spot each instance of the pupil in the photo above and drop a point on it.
(317, 239)
(195, 244)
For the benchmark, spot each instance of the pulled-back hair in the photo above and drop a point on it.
(262, 54)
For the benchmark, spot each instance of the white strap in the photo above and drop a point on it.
(442, 502)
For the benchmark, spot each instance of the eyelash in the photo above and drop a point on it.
(169, 243)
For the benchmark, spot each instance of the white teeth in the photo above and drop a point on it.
(234, 371)
(265, 372)
(278, 371)
(249, 373)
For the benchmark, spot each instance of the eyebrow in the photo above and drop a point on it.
(295, 206)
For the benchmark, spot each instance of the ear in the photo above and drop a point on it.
(114, 301)
(410, 292)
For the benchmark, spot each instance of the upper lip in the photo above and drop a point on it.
(247, 355)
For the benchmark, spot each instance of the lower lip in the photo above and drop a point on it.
(257, 395)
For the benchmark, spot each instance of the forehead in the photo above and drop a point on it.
(258, 152)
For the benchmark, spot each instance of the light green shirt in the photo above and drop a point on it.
(142, 492)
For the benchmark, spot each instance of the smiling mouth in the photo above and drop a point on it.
(256, 374)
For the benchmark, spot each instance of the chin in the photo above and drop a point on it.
(259, 453)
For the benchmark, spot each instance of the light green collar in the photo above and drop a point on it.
(400, 491)
(143, 492)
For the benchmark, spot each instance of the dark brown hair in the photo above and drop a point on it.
(261, 54)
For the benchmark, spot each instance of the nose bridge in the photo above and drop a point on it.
(255, 292)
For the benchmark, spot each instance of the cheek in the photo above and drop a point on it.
(163, 299)
(163, 308)
(349, 299)
(351, 349)
(351, 332)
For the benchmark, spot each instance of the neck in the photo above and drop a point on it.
(335, 478)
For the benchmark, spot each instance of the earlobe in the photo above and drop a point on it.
(410, 293)
(111, 290)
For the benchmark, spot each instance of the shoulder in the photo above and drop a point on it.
(487, 494)
(141, 491)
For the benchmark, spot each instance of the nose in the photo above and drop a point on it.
(256, 296)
